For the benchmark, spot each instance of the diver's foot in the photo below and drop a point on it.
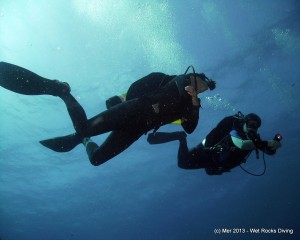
(61, 88)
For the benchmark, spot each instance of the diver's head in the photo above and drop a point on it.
(202, 79)
(251, 123)
(202, 83)
(211, 84)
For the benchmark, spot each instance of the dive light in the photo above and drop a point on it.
(278, 137)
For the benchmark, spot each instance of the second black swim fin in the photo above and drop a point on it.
(163, 137)
(23, 81)
(62, 144)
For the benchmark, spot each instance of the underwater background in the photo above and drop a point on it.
(100, 47)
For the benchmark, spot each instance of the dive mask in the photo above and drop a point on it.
(210, 83)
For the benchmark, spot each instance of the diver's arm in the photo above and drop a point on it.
(243, 144)
(268, 147)
(190, 119)
(189, 122)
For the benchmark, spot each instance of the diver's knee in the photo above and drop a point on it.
(97, 159)
(181, 164)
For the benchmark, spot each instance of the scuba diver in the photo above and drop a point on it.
(228, 145)
(152, 101)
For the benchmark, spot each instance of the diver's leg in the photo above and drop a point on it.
(116, 143)
(79, 120)
(185, 159)
(76, 112)
(189, 159)
(122, 116)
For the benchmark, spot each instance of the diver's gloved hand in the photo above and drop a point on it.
(273, 144)
(163, 137)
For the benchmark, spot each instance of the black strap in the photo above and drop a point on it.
(191, 66)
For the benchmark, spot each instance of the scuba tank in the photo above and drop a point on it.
(112, 101)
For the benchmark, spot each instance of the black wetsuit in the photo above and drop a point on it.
(209, 157)
(152, 101)
(217, 154)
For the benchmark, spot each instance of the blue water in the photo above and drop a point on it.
(252, 50)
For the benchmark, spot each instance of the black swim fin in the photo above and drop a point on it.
(62, 144)
(162, 137)
(23, 81)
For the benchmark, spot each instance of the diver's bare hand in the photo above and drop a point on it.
(191, 91)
